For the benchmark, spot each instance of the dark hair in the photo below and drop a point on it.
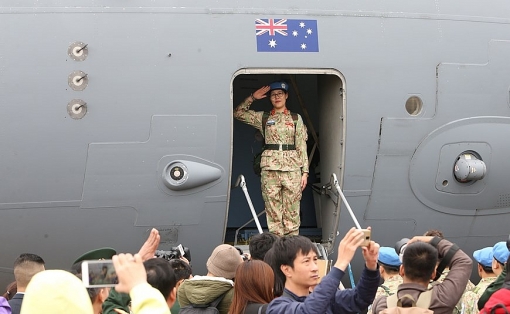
(287, 248)
(419, 260)
(10, 290)
(260, 244)
(28, 258)
(434, 233)
(285, 251)
(487, 269)
(279, 277)
(390, 269)
(76, 269)
(93, 292)
(160, 275)
(182, 270)
(254, 283)
(25, 267)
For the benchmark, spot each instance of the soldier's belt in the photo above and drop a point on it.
(280, 147)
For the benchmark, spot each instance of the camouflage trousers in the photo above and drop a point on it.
(281, 191)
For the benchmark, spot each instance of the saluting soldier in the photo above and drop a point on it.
(284, 161)
(469, 300)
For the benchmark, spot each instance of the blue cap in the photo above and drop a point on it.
(484, 256)
(278, 85)
(500, 252)
(389, 257)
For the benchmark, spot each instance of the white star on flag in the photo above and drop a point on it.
(286, 35)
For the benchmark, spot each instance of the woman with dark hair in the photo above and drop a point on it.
(279, 277)
(253, 288)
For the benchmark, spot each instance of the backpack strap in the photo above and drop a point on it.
(265, 116)
(423, 301)
(295, 119)
(391, 301)
(406, 296)
(386, 290)
(255, 308)
(499, 306)
(447, 258)
(217, 301)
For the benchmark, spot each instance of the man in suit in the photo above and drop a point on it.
(25, 267)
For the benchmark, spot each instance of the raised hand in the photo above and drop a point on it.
(371, 255)
(130, 271)
(347, 247)
(148, 249)
(261, 92)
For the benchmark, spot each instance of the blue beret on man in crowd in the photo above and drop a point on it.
(389, 257)
(484, 256)
(500, 252)
(278, 85)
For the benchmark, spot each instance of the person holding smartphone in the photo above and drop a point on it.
(284, 161)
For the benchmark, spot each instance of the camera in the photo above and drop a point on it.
(400, 247)
(175, 252)
(244, 256)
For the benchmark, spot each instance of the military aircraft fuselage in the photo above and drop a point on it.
(117, 117)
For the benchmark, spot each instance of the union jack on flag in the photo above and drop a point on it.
(286, 35)
(271, 26)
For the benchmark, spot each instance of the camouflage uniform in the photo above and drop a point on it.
(469, 299)
(389, 287)
(281, 169)
(469, 287)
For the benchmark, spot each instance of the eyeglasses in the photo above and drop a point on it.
(277, 95)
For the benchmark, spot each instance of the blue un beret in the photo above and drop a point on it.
(278, 85)
(500, 252)
(389, 257)
(484, 256)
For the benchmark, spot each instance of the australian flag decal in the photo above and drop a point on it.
(283, 35)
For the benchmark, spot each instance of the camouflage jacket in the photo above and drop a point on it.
(279, 130)
(389, 287)
(469, 287)
(469, 299)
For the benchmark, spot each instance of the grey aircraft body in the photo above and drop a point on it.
(117, 116)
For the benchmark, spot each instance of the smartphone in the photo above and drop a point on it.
(181, 250)
(367, 233)
(98, 274)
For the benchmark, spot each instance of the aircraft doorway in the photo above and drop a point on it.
(319, 97)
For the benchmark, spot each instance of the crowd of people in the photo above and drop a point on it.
(281, 276)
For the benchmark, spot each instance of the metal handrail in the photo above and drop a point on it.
(242, 183)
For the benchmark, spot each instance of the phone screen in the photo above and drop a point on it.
(99, 274)
(181, 250)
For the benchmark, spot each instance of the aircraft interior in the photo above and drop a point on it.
(319, 97)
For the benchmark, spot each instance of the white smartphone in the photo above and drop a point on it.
(181, 250)
(98, 274)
